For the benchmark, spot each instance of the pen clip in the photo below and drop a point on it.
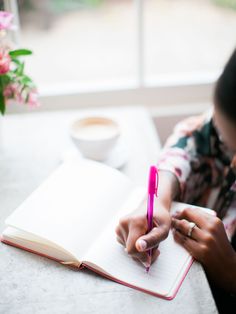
(153, 181)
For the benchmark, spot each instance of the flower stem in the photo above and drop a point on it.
(2, 98)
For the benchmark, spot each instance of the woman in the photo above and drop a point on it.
(197, 166)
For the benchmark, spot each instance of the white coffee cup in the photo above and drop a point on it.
(95, 137)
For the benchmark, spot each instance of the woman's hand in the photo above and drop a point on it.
(132, 233)
(208, 244)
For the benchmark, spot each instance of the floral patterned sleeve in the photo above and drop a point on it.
(181, 148)
(204, 167)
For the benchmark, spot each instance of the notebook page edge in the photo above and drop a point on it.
(39, 246)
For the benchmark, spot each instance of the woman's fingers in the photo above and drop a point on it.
(155, 254)
(129, 239)
(132, 234)
(192, 246)
(183, 226)
(120, 240)
(145, 259)
(122, 232)
(152, 239)
(196, 215)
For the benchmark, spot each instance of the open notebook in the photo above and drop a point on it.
(71, 218)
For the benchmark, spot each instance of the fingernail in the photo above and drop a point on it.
(145, 264)
(175, 214)
(142, 245)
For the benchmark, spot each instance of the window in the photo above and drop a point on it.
(188, 37)
(87, 42)
(131, 44)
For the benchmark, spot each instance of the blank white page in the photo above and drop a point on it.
(72, 207)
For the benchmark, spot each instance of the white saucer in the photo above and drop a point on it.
(116, 159)
(118, 156)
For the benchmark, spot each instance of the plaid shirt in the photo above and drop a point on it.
(204, 167)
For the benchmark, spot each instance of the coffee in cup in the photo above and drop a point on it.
(95, 137)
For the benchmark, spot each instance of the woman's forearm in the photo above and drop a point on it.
(168, 188)
(225, 278)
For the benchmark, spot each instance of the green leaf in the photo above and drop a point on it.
(20, 52)
(4, 80)
(26, 79)
(2, 104)
(16, 61)
(11, 76)
(20, 69)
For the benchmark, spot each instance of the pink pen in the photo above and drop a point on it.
(152, 190)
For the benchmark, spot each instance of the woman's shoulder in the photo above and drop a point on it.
(195, 127)
(194, 123)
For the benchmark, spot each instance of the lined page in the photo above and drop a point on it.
(164, 275)
(72, 207)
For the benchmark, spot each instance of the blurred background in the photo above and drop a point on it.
(104, 52)
(94, 41)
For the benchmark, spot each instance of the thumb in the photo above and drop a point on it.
(152, 239)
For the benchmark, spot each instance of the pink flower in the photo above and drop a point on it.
(5, 61)
(9, 91)
(13, 91)
(33, 98)
(21, 96)
(5, 20)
